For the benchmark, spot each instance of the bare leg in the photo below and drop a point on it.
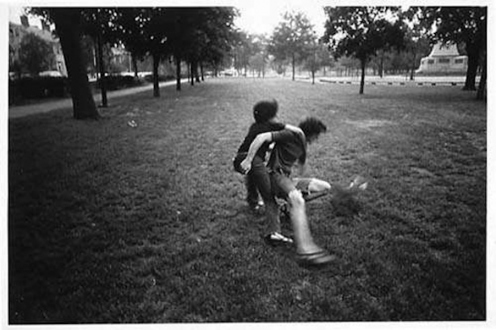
(303, 237)
(317, 188)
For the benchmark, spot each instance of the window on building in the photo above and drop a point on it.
(444, 60)
(459, 61)
(430, 62)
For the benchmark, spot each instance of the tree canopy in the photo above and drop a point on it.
(459, 25)
(292, 39)
(360, 32)
(35, 54)
(193, 34)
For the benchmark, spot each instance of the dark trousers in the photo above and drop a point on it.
(258, 182)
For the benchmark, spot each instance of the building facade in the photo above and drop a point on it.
(443, 59)
(18, 31)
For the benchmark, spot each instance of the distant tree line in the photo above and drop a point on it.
(366, 32)
(380, 38)
(196, 36)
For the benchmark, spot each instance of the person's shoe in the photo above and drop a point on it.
(257, 208)
(277, 239)
(315, 259)
(358, 183)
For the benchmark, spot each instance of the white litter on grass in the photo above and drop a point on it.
(132, 123)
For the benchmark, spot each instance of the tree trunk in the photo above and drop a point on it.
(135, 65)
(101, 68)
(178, 73)
(313, 77)
(192, 74)
(188, 73)
(293, 60)
(412, 71)
(197, 76)
(156, 88)
(381, 66)
(473, 64)
(362, 80)
(201, 72)
(67, 22)
(481, 91)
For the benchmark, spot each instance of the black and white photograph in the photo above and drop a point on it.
(248, 164)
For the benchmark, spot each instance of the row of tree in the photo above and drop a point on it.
(362, 32)
(192, 35)
(370, 35)
(197, 36)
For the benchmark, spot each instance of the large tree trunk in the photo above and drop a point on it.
(178, 73)
(473, 64)
(156, 87)
(362, 80)
(67, 23)
(481, 91)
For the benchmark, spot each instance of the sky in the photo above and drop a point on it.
(256, 16)
(259, 16)
(15, 11)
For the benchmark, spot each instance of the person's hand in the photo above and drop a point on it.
(246, 165)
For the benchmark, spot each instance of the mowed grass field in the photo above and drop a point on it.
(116, 224)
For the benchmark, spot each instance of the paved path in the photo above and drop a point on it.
(31, 109)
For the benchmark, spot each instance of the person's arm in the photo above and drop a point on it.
(293, 128)
(254, 146)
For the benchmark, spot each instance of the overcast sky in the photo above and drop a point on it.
(262, 16)
(256, 16)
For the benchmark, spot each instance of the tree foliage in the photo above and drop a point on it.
(460, 25)
(193, 34)
(360, 32)
(292, 39)
(35, 54)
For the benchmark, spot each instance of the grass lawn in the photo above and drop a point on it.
(110, 223)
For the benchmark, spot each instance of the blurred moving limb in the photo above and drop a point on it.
(316, 188)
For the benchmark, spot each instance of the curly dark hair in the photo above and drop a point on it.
(265, 110)
(312, 127)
